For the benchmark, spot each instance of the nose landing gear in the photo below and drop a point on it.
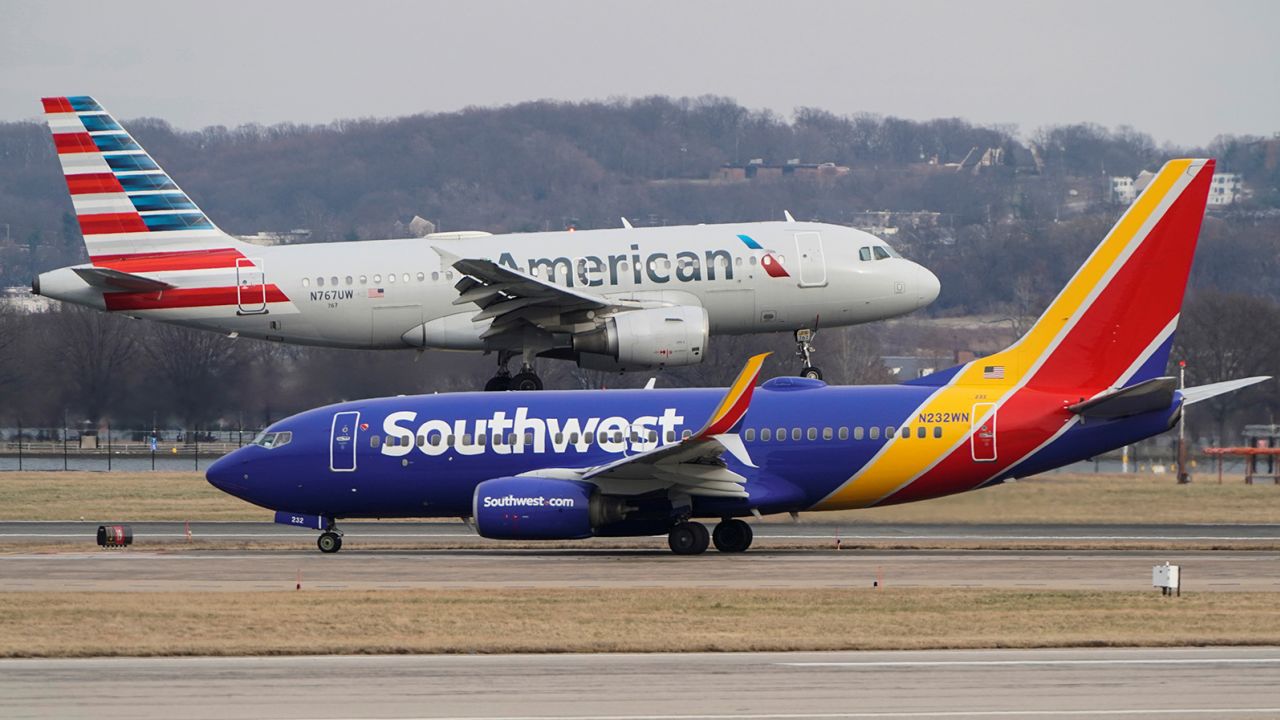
(329, 542)
(804, 351)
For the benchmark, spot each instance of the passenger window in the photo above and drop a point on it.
(350, 281)
(844, 433)
(782, 434)
(391, 277)
(889, 432)
(857, 433)
(306, 282)
(738, 261)
(334, 281)
(375, 441)
(481, 440)
(752, 260)
(751, 434)
(864, 254)
(826, 433)
(874, 433)
(920, 432)
(766, 434)
(466, 439)
(937, 431)
(812, 434)
(364, 279)
(422, 276)
(448, 274)
(906, 432)
(671, 436)
(559, 438)
(406, 277)
(881, 253)
(686, 434)
(422, 440)
(377, 279)
(795, 433)
(435, 277)
(319, 282)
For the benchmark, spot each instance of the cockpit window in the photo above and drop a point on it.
(272, 440)
(864, 254)
(881, 253)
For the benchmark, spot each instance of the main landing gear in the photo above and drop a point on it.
(691, 538)
(330, 541)
(804, 351)
(525, 380)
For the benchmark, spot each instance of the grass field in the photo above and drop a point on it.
(272, 623)
(1054, 498)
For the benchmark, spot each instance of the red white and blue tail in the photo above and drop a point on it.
(127, 206)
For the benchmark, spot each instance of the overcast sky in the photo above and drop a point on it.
(1183, 71)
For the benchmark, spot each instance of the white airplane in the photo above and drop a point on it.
(617, 299)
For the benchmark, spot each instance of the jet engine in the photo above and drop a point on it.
(650, 338)
(530, 508)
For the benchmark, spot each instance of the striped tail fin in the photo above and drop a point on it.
(127, 206)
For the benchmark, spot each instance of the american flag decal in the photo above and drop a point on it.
(375, 292)
(993, 372)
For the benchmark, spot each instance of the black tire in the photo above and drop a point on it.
(525, 382)
(329, 542)
(498, 383)
(732, 536)
(688, 538)
(811, 372)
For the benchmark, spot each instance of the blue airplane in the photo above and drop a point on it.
(1088, 377)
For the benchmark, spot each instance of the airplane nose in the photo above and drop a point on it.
(227, 474)
(927, 285)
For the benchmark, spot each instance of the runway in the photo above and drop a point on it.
(268, 569)
(454, 532)
(1149, 683)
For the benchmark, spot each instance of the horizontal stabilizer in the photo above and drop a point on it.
(1194, 395)
(1154, 394)
(108, 279)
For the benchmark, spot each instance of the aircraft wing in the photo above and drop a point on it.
(512, 298)
(694, 465)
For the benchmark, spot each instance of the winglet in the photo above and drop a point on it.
(735, 403)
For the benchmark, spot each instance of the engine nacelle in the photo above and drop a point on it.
(639, 339)
(531, 508)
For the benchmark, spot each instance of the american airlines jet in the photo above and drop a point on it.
(618, 299)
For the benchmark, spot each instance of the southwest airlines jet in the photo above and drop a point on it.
(619, 299)
(1088, 377)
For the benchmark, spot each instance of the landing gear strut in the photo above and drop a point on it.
(732, 536)
(689, 538)
(804, 351)
(330, 541)
(524, 380)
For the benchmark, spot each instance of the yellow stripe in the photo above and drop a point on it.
(746, 378)
(903, 460)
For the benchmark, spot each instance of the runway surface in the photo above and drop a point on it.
(1149, 683)
(453, 531)
(246, 570)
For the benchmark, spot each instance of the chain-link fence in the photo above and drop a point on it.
(107, 448)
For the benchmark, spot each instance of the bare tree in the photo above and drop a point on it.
(91, 353)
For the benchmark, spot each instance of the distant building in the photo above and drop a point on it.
(1122, 190)
(758, 169)
(21, 299)
(287, 237)
(1225, 189)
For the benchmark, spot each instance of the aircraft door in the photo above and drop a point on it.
(251, 286)
(812, 263)
(982, 437)
(342, 441)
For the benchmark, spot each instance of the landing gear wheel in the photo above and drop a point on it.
(732, 536)
(526, 381)
(810, 372)
(689, 538)
(804, 351)
(498, 383)
(329, 542)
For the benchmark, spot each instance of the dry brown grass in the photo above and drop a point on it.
(1053, 498)
(1088, 498)
(127, 496)
(647, 620)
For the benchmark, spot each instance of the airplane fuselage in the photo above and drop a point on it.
(399, 293)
